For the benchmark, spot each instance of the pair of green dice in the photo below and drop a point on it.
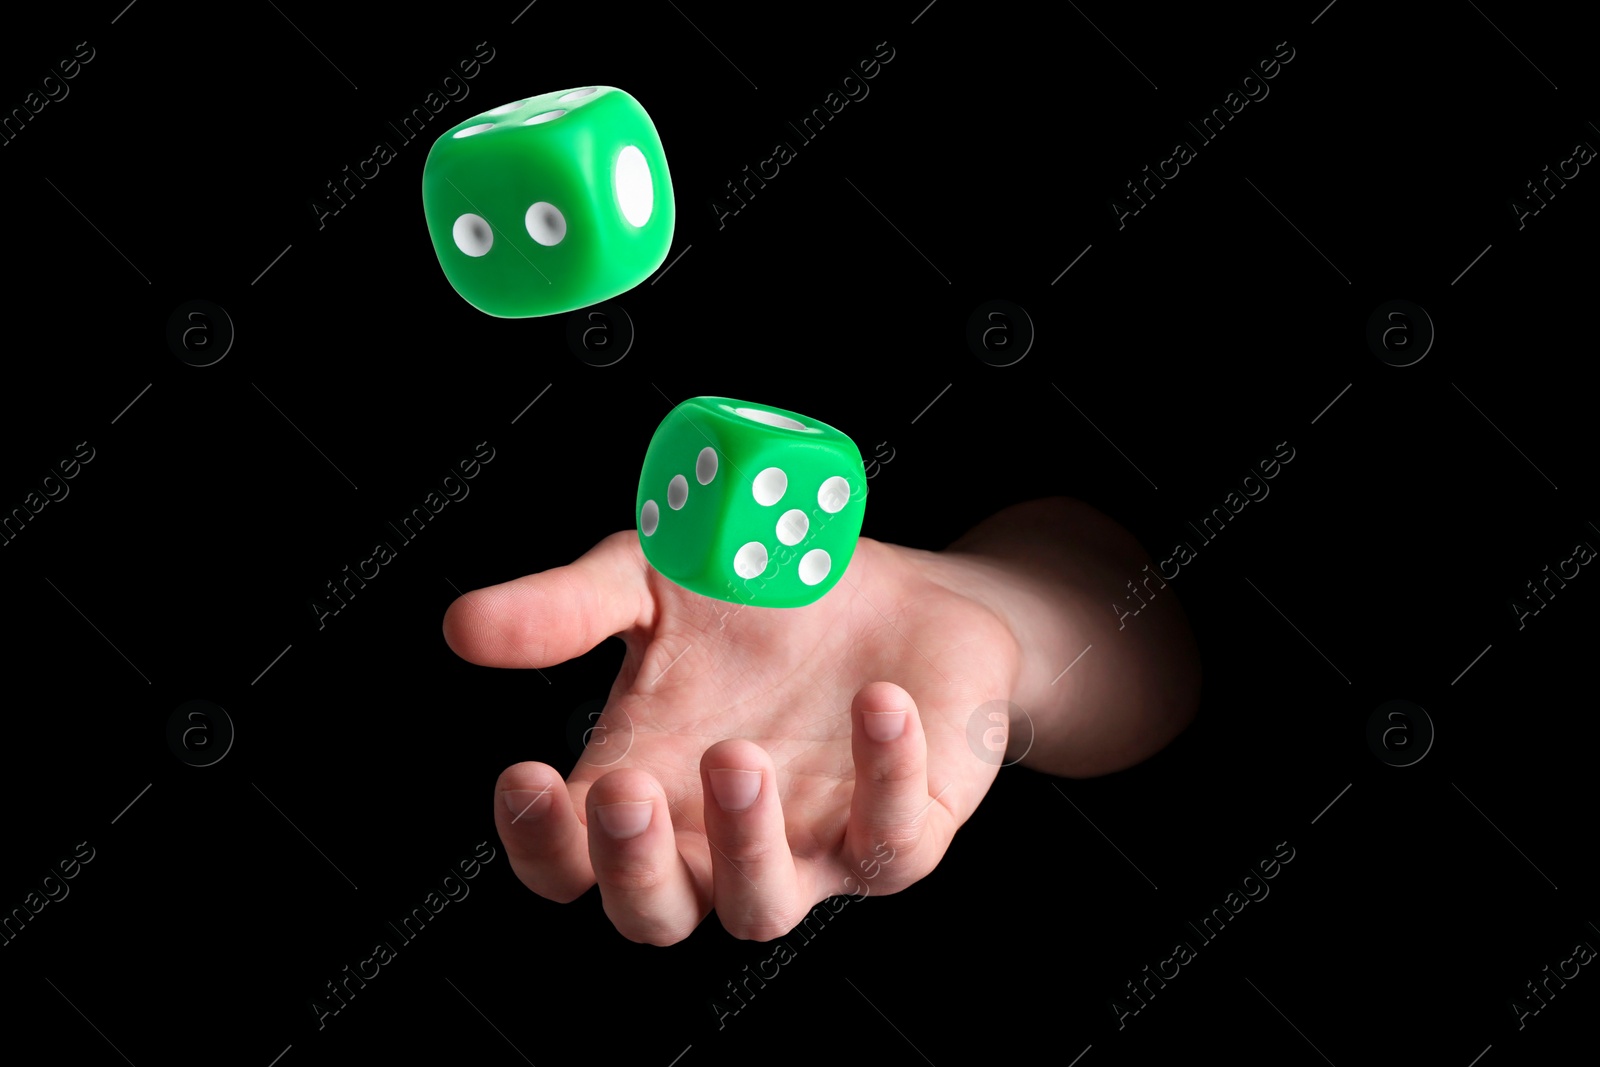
(557, 202)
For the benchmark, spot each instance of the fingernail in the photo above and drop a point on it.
(524, 803)
(735, 790)
(627, 819)
(884, 725)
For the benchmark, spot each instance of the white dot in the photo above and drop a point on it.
(705, 467)
(504, 109)
(771, 418)
(546, 116)
(545, 223)
(677, 492)
(470, 130)
(834, 494)
(814, 566)
(750, 560)
(649, 517)
(792, 526)
(473, 235)
(636, 196)
(769, 486)
(576, 94)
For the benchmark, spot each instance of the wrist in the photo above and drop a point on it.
(1099, 695)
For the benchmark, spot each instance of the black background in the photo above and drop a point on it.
(1222, 319)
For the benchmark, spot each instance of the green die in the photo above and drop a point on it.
(750, 503)
(549, 204)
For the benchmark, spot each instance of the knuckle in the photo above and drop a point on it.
(633, 875)
(898, 770)
(644, 932)
(895, 861)
(553, 886)
(745, 851)
(762, 921)
(891, 840)
(892, 879)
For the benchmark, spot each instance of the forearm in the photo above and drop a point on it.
(1103, 690)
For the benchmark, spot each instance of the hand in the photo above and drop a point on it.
(835, 736)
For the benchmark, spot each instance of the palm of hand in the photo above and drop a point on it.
(783, 695)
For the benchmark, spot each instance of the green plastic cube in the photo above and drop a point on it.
(551, 203)
(749, 503)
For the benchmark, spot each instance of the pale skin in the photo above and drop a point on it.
(756, 761)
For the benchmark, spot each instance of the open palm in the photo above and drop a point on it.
(752, 760)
